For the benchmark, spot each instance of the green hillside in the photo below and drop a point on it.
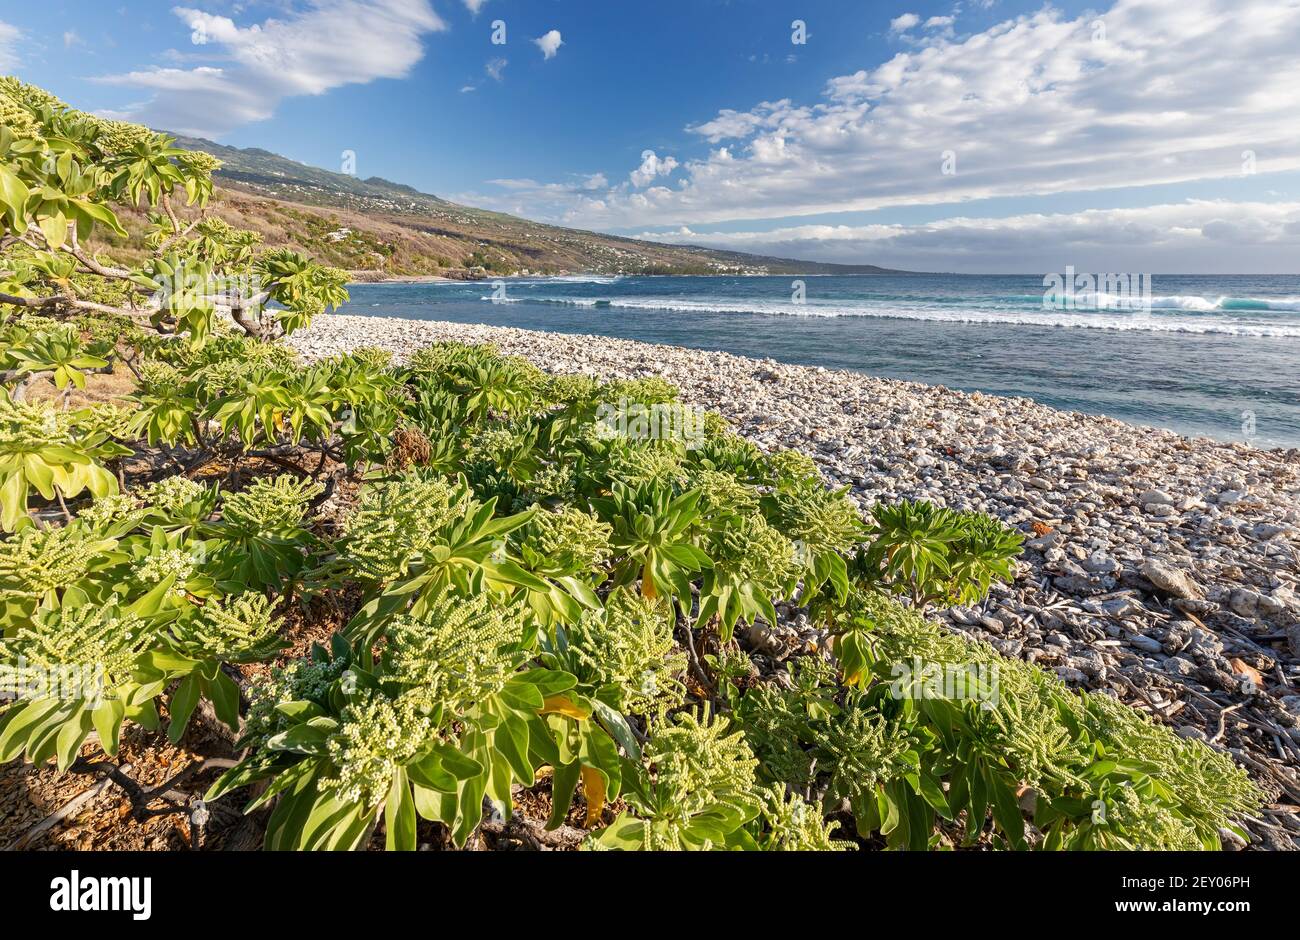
(379, 228)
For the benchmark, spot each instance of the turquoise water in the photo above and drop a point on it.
(1203, 357)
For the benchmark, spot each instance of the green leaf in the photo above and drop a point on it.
(181, 706)
(399, 816)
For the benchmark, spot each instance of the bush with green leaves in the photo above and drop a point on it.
(940, 734)
(936, 555)
(449, 714)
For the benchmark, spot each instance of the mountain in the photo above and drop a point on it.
(378, 228)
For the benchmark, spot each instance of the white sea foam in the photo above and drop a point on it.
(1105, 318)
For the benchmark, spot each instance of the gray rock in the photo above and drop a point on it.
(1155, 497)
(1204, 643)
(1171, 580)
(1196, 606)
(1244, 602)
(1123, 607)
(1293, 639)
(1144, 643)
(1269, 606)
(1044, 541)
(1101, 563)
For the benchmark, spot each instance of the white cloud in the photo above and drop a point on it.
(903, 23)
(332, 43)
(1188, 237)
(939, 22)
(495, 68)
(70, 39)
(1177, 91)
(651, 166)
(9, 36)
(549, 44)
(474, 5)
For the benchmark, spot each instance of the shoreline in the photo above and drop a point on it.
(1162, 567)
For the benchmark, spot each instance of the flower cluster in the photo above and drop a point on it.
(864, 750)
(572, 540)
(270, 506)
(723, 494)
(228, 628)
(457, 655)
(750, 550)
(646, 462)
(376, 736)
(308, 678)
(1192, 770)
(167, 563)
(794, 825)
(824, 520)
(25, 424)
(554, 482)
(35, 561)
(95, 640)
(1144, 824)
(172, 494)
(394, 522)
(107, 510)
(699, 762)
(629, 645)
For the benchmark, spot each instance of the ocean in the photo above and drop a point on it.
(1209, 355)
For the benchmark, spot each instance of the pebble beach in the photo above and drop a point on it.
(1163, 568)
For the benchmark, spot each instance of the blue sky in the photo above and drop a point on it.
(996, 135)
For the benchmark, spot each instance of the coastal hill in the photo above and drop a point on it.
(377, 228)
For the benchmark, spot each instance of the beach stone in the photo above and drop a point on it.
(1123, 607)
(1269, 605)
(1244, 602)
(1145, 643)
(1170, 580)
(1101, 563)
(1155, 497)
(1293, 639)
(1196, 606)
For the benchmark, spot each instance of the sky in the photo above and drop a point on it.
(980, 135)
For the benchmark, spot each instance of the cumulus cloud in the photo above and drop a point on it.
(9, 36)
(651, 166)
(307, 53)
(1189, 237)
(549, 43)
(1177, 91)
(900, 24)
(474, 5)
